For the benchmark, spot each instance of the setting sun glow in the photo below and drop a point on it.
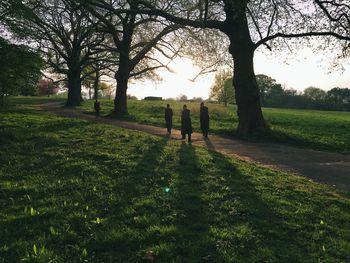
(299, 71)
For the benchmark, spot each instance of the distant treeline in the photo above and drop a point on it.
(274, 95)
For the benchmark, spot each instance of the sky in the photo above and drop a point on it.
(303, 69)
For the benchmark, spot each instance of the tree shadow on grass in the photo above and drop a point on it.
(131, 210)
(193, 243)
(88, 198)
(247, 228)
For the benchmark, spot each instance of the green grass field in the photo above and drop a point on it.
(322, 130)
(75, 191)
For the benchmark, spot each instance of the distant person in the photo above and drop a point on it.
(186, 125)
(97, 108)
(168, 114)
(204, 119)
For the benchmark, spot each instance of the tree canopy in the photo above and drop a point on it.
(136, 33)
(20, 70)
(248, 25)
(142, 43)
(222, 90)
(64, 35)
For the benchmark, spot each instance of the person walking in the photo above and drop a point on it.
(186, 125)
(97, 108)
(168, 115)
(204, 119)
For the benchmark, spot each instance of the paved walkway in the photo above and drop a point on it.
(323, 167)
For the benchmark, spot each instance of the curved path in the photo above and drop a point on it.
(324, 167)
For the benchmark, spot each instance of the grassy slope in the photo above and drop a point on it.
(312, 129)
(72, 191)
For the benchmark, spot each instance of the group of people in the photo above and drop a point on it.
(186, 124)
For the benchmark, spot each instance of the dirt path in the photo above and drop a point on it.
(323, 167)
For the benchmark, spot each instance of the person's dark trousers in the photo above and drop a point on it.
(205, 133)
(184, 137)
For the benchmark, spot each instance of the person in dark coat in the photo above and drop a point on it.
(186, 125)
(204, 119)
(97, 108)
(168, 114)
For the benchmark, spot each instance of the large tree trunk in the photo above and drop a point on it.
(249, 112)
(74, 80)
(122, 77)
(120, 101)
(247, 95)
(74, 88)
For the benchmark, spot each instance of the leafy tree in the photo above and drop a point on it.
(106, 90)
(197, 99)
(271, 93)
(222, 89)
(89, 82)
(339, 98)
(134, 39)
(248, 25)
(131, 97)
(182, 97)
(65, 36)
(20, 69)
(315, 94)
(47, 87)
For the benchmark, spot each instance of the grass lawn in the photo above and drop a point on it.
(322, 130)
(32, 101)
(75, 191)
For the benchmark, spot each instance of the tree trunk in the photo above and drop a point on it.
(74, 80)
(97, 79)
(247, 95)
(90, 92)
(74, 88)
(120, 101)
(225, 96)
(122, 77)
(241, 48)
(2, 101)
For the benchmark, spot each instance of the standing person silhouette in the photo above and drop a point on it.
(168, 115)
(186, 125)
(97, 108)
(204, 119)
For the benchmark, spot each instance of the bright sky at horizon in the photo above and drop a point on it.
(303, 69)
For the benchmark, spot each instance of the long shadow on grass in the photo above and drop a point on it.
(132, 209)
(192, 221)
(247, 228)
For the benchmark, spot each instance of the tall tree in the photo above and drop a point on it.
(248, 25)
(20, 70)
(63, 34)
(314, 93)
(271, 92)
(139, 41)
(222, 90)
(339, 97)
